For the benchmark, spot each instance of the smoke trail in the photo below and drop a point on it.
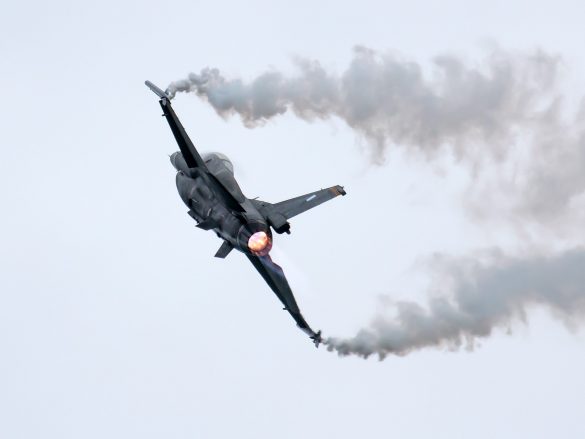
(390, 101)
(555, 175)
(544, 184)
(474, 112)
(479, 298)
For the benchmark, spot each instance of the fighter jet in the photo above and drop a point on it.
(207, 185)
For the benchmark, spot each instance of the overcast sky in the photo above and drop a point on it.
(115, 319)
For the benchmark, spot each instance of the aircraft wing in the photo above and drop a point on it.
(190, 154)
(188, 150)
(274, 277)
(297, 205)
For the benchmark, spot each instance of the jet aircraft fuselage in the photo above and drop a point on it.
(240, 225)
(207, 186)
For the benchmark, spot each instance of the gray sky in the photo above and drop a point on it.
(115, 319)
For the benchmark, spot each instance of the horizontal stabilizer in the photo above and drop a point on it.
(224, 250)
(297, 205)
(279, 213)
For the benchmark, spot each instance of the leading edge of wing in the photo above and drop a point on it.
(276, 280)
(190, 154)
(295, 206)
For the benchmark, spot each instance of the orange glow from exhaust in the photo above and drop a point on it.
(259, 243)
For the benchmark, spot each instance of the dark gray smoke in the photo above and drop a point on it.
(472, 300)
(392, 101)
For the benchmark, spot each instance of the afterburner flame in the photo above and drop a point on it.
(259, 243)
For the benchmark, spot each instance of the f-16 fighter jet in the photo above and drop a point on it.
(207, 186)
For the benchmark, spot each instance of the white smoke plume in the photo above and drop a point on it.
(471, 111)
(474, 113)
(391, 101)
(472, 300)
(546, 186)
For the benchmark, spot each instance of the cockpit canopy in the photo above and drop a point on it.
(219, 156)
